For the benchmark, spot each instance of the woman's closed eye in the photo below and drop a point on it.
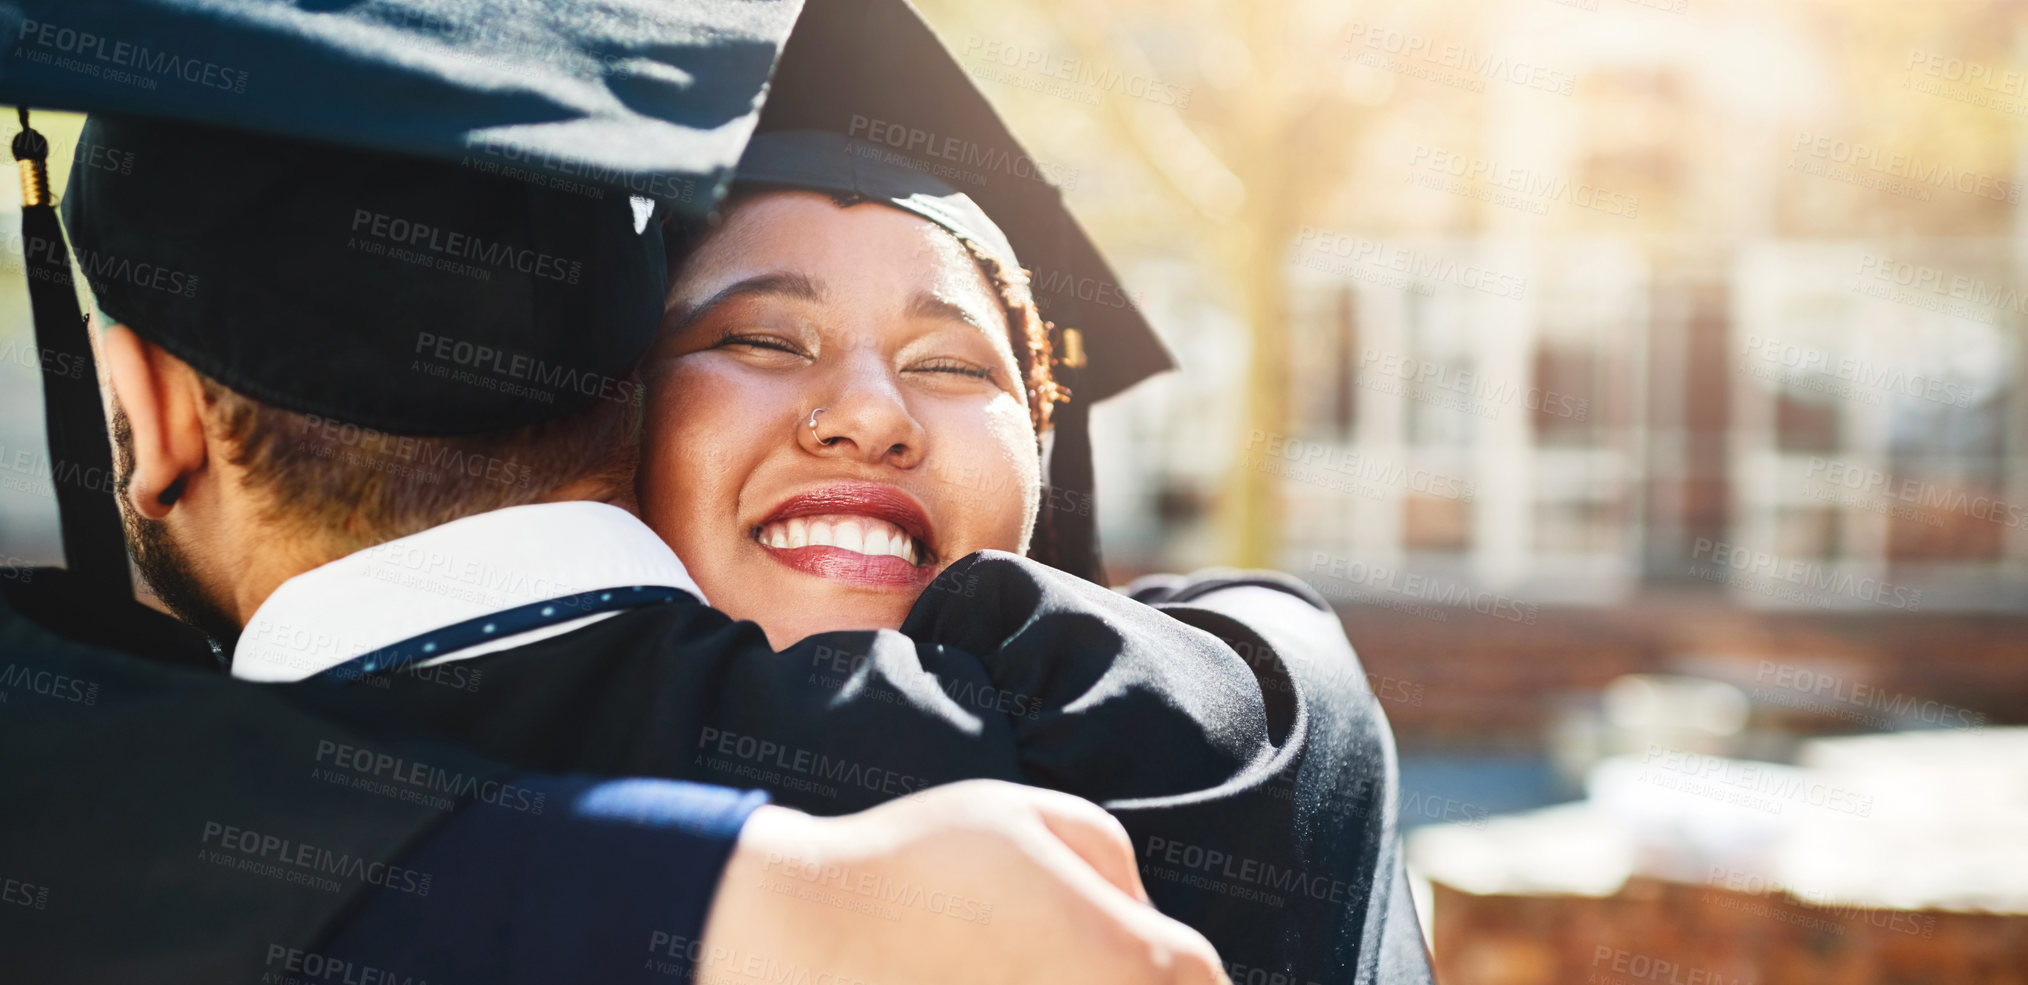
(956, 366)
(768, 343)
(773, 343)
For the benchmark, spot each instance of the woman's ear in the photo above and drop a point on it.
(163, 402)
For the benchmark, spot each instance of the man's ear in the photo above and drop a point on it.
(164, 403)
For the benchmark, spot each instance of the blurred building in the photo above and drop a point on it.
(1703, 370)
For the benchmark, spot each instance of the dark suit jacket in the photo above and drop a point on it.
(166, 823)
(159, 812)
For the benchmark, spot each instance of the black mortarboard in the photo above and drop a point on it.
(874, 72)
(421, 216)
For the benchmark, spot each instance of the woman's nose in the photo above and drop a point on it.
(863, 415)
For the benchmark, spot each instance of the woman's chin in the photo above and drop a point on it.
(790, 605)
(800, 622)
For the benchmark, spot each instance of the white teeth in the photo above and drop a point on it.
(849, 535)
(858, 534)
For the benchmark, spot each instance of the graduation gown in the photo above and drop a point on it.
(1224, 721)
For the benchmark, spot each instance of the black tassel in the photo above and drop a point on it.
(80, 453)
(1069, 502)
(1066, 534)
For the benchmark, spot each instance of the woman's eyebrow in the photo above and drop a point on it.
(927, 305)
(787, 284)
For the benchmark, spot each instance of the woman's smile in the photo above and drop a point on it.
(864, 532)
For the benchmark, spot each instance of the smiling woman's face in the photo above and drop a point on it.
(922, 452)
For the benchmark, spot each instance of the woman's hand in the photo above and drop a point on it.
(980, 881)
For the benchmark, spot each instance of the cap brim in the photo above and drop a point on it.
(651, 97)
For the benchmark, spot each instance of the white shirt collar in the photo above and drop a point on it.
(445, 575)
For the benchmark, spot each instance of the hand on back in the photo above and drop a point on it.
(980, 881)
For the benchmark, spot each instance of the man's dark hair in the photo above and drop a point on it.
(344, 488)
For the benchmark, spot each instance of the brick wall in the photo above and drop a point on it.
(1488, 681)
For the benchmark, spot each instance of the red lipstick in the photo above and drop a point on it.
(873, 500)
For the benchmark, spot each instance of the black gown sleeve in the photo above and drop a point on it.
(1225, 719)
(1288, 632)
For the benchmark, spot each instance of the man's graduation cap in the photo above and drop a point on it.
(919, 135)
(314, 200)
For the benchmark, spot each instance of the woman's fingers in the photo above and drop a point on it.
(1096, 837)
(1053, 877)
(1091, 853)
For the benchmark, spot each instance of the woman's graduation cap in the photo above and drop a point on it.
(921, 136)
(313, 196)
